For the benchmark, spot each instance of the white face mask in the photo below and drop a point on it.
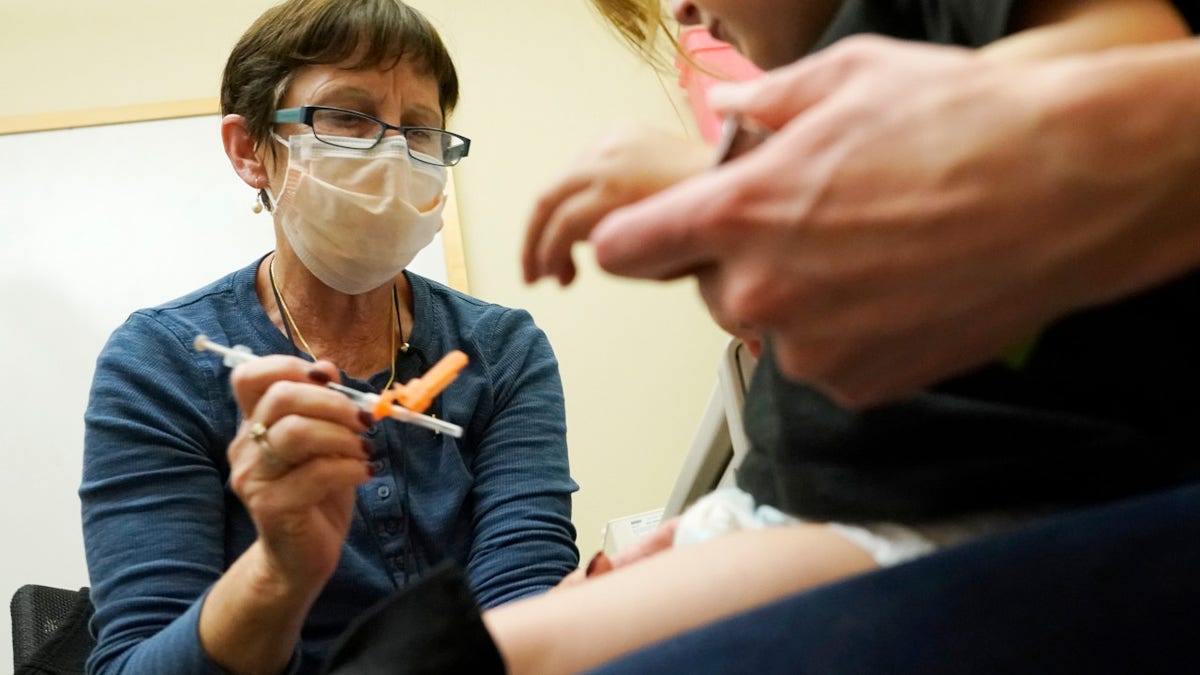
(357, 218)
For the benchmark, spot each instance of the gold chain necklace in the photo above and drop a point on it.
(287, 317)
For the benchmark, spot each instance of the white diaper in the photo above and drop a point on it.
(888, 543)
(723, 511)
(730, 509)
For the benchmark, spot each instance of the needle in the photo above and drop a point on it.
(738, 136)
(236, 354)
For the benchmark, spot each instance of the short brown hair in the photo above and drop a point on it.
(298, 33)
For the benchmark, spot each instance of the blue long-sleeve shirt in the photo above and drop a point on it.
(161, 523)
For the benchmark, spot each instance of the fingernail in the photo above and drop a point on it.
(318, 376)
(367, 419)
(594, 563)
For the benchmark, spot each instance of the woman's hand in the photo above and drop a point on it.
(628, 165)
(295, 464)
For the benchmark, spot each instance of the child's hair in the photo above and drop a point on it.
(643, 26)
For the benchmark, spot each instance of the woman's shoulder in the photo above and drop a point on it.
(447, 318)
(222, 290)
(225, 310)
(440, 292)
(454, 309)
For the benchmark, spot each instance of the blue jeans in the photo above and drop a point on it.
(1110, 589)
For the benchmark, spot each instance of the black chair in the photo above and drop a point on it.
(50, 633)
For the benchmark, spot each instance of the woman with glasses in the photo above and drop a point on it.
(239, 522)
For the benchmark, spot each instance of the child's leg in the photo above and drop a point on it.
(581, 626)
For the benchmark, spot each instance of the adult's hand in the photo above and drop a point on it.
(623, 167)
(920, 209)
(294, 464)
(298, 478)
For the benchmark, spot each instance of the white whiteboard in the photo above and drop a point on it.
(94, 224)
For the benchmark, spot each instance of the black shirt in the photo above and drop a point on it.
(1102, 407)
(968, 23)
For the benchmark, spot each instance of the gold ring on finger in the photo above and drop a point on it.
(258, 432)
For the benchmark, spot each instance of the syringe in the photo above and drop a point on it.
(232, 356)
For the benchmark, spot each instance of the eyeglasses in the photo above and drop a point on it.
(358, 131)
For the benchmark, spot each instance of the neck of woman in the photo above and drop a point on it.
(358, 333)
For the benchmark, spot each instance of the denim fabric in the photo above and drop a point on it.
(161, 524)
(1111, 589)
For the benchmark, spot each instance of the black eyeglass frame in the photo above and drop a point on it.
(304, 115)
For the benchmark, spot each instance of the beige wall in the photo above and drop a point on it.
(541, 79)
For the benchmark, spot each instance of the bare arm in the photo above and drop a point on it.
(580, 626)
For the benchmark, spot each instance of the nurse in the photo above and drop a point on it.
(241, 522)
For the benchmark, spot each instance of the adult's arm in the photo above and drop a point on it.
(299, 489)
(524, 541)
(152, 504)
(921, 209)
(154, 512)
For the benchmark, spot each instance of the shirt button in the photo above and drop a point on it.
(384, 492)
(398, 562)
(392, 525)
(373, 429)
(376, 467)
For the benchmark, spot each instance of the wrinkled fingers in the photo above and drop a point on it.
(251, 380)
(269, 452)
(305, 485)
(285, 398)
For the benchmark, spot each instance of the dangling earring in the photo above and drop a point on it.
(258, 203)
